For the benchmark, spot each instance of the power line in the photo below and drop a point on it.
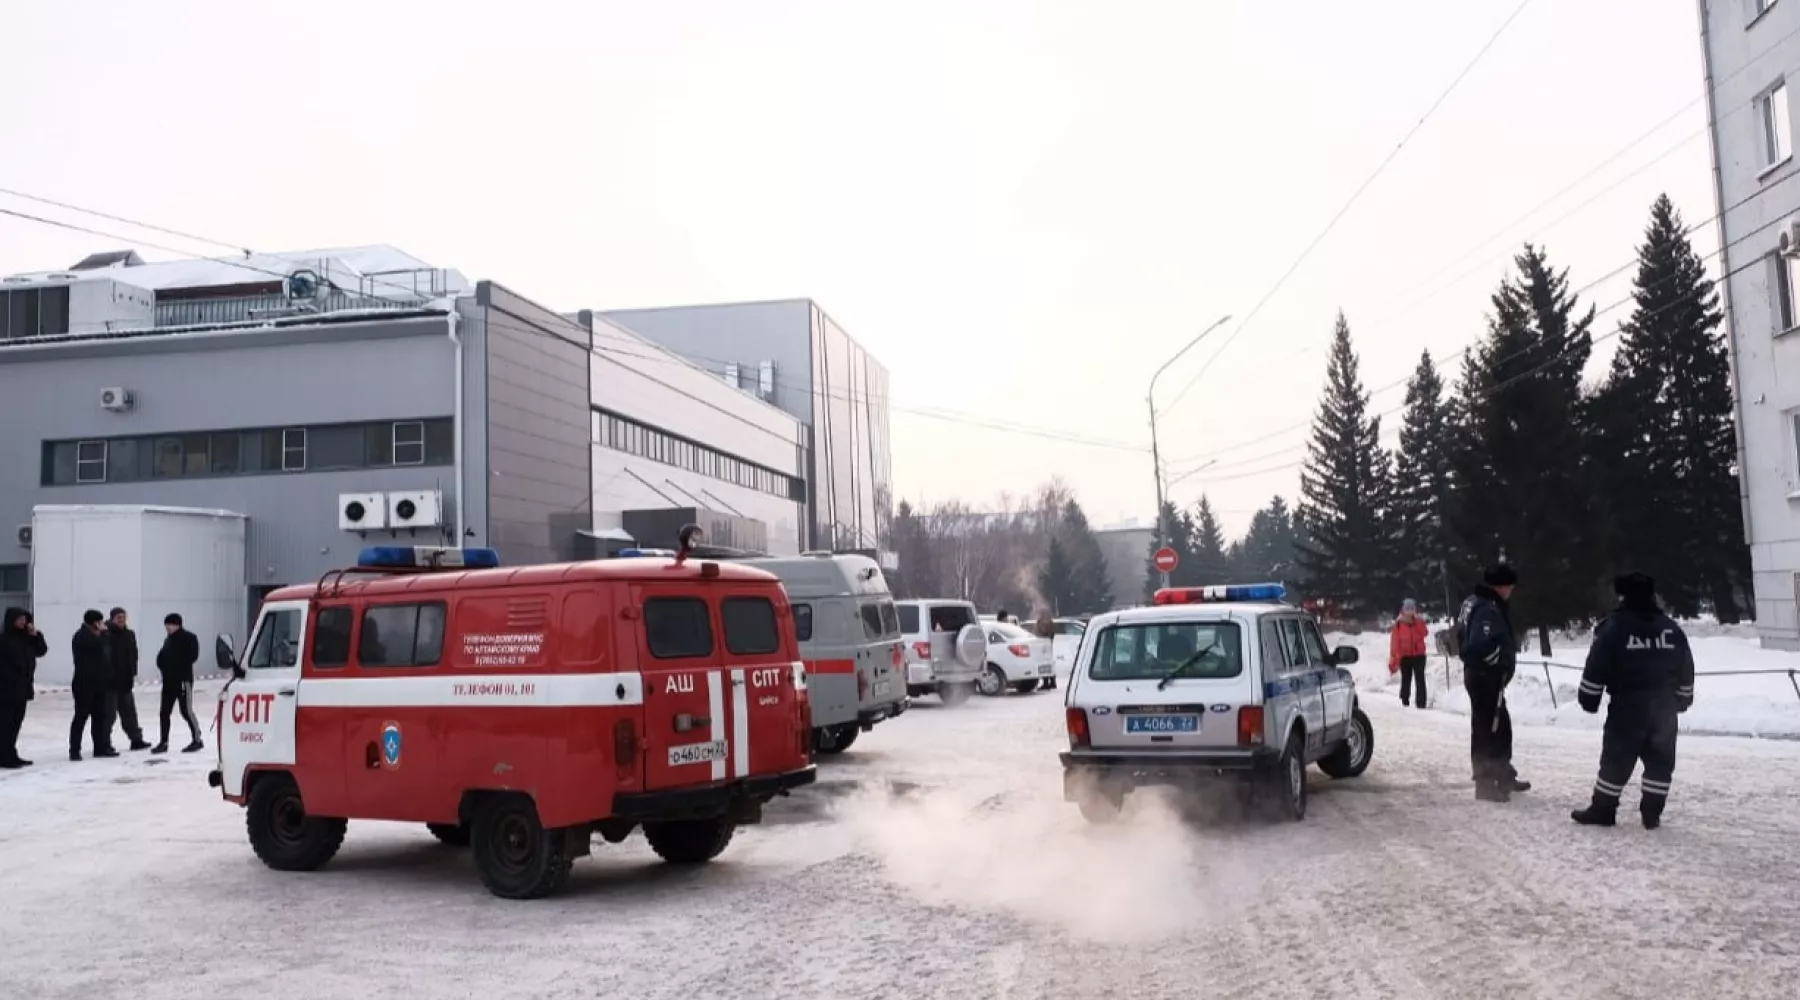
(40, 199)
(1354, 196)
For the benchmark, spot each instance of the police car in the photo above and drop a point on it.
(1209, 684)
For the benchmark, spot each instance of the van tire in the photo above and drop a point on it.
(1352, 758)
(835, 739)
(1290, 778)
(450, 834)
(991, 683)
(516, 857)
(282, 834)
(953, 695)
(689, 841)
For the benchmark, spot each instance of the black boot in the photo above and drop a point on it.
(1651, 809)
(1600, 812)
(1492, 791)
(1519, 785)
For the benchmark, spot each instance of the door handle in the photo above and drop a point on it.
(286, 692)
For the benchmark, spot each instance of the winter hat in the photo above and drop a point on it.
(92, 617)
(1500, 575)
(172, 619)
(1635, 586)
(116, 612)
(1409, 605)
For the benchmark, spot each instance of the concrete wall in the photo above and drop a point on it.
(1127, 554)
(1746, 57)
(746, 333)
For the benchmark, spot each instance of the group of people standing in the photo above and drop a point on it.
(104, 652)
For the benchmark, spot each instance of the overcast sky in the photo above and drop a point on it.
(1022, 208)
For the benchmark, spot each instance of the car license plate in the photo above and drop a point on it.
(696, 753)
(882, 689)
(1162, 723)
(1045, 669)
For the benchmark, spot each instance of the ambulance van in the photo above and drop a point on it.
(519, 711)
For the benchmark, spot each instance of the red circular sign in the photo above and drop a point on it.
(1166, 560)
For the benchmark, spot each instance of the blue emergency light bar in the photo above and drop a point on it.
(645, 554)
(1235, 593)
(426, 557)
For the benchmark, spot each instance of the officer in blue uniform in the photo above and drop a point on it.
(1642, 658)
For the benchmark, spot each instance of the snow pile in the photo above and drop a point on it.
(1728, 702)
(1145, 877)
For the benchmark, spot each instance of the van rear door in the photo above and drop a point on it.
(685, 726)
(770, 731)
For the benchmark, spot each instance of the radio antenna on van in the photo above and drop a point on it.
(684, 541)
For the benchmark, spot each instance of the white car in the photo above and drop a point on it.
(1068, 641)
(944, 645)
(1015, 659)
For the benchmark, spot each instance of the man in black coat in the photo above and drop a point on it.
(1490, 650)
(20, 647)
(122, 644)
(92, 687)
(175, 661)
(1642, 658)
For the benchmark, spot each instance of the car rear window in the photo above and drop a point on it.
(1140, 652)
(749, 626)
(952, 617)
(677, 628)
(909, 618)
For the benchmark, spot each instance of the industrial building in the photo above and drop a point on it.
(337, 398)
(1749, 47)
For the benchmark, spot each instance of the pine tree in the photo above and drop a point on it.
(1090, 586)
(1056, 581)
(1266, 553)
(1522, 485)
(1211, 564)
(1346, 554)
(1421, 486)
(1664, 419)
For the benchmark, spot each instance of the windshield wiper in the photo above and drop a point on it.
(1185, 664)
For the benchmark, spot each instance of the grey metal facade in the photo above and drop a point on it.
(822, 376)
(1751, 51)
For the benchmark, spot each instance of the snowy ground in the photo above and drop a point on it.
(936, 859)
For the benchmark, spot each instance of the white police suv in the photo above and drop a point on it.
(1209, 684)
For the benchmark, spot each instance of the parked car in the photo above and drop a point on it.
(945, 646)
(1015, 659)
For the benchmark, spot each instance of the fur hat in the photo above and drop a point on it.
(1500, 575)
(1635, 586)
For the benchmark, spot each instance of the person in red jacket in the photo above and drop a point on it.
(1406, 651)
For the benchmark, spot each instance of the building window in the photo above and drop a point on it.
(1783, 269)
(293, 449)
(168, 458)
(15, 579)
(409, 443)
(1759, 7)
(90, 462)
(1778, 143)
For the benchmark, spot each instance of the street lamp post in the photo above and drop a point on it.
(1162, 527)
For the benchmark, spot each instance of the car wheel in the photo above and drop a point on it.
(516, 857)
(1352, 757)
(282, 834)
(1290, 778)
(953, 695)
(992, 682)
(835, 739)
(689, 841)
(451, 834)
(1025, 687)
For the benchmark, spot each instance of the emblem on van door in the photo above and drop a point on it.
(1101, 710)
(390, 745)
(1220, 708)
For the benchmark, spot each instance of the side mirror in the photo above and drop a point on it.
(226, 656)
(1345, 655)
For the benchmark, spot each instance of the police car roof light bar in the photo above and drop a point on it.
(400, 557)
(1235, 593)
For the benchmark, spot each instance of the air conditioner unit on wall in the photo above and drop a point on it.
(117, 399)
(415, 509)
(361, 511)
(24, 536)
(1787, 239)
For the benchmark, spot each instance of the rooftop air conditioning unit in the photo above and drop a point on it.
(24, 536)
(415, 509)
(1788, 239)
(116, 399)
(361, 512)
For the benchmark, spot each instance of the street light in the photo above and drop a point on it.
(1162, 528)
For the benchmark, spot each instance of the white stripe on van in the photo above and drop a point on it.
(740, 724)
(715, 700)
(474, 691)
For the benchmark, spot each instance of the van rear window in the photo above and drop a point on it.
(878, 620)
(677, 628)
(803, 622)
(749, 626)
(909, 618)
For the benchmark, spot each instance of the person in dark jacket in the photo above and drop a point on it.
(92, 687)
(175, 661)
(122, 644)
(1489, 650)
(1642, 658)
(20, 647)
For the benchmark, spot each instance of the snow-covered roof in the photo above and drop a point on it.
(377, 269)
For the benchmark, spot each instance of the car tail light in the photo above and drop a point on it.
(1078, 727)
(1250, 726)
(922, 650)
(625, 747)
(1019, 649)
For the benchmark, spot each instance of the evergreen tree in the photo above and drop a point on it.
(1090, 589)
(1211, 564)
(1057, 580)
(1664, 422)
(1178, 530)
(1421, 487)
(1266, 553)
(1346, 554)
(1523, 488)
